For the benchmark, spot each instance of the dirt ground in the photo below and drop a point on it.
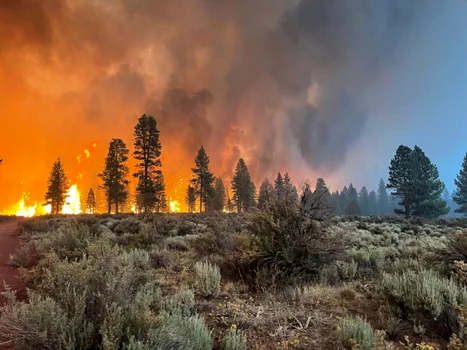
(9, 242)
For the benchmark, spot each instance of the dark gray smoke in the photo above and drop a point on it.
(279, 83)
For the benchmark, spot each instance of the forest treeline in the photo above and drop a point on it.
(413, 183)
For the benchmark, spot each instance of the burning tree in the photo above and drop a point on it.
(151, 188)
(244, 190)
(57, 187)
(91, 202)
(202, 179)
(115, 174)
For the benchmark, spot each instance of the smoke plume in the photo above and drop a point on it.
(276, 82)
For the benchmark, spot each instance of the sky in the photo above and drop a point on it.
(315, 88)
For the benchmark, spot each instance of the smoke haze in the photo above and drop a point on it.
(288, 85)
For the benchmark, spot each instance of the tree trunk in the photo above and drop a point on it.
(200, 194)
(407, 208)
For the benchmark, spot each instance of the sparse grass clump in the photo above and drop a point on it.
(357, 333)
(208, 279)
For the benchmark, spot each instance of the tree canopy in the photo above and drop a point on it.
(57, 187)
(202, 179)
(460, 196)
(415, 181)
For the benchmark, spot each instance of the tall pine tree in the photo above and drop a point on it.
(415, 181)
(243, 188)
(150, 189)
(114, 176)
(383, 199)
(202, 179)
(290, 191)
(218, 200)
(91, 202)
(364, 201)
(57, 187)
(373, 203)
(460, 198)
(279, 186)
(190, 199)
(266, 193)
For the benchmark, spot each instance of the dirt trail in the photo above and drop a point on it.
(9, 242)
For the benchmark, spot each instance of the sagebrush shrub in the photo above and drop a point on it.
(293, 242)
(357, 333)
(115, 288)
(21, 258)
(234, 340)
(208, 279)
(427, 292)
(179, 332)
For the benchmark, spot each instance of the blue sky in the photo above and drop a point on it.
(420, 98)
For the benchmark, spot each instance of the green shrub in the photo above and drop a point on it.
(426, 292)
(234, 340)
(116, 288)
(182, 303)
(357, 334)
(293, 242)
(181, 333)
(43, 324)
(208, 279)
(455, 249)
(21, 258)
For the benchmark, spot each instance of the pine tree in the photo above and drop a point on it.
(161, 205)
(364, 201)
(190, 199)
(383, 199)
(57, 187)
(373, 203)
(460, 198)
(343, 200)
(335, 197)
(230, 205)
(290, 191)
(321, 185)
(147, 154)
(115, 175)
(218, 200)
(202, 179)
(91, 202)
(353, 209)
(266, 193)
(279, 187)
(243, 188)
(416, 183)
(352, 195)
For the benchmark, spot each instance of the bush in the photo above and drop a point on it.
(22, 257)
(43, 324)
(357, 333)
(208, 279)
(234, 340)
(181, 333)
(115, 288)
(424, 293)
(455, 249)
(293, 242)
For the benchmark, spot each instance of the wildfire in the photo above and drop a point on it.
(174, 206)
(25, 210)
(73, 201)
